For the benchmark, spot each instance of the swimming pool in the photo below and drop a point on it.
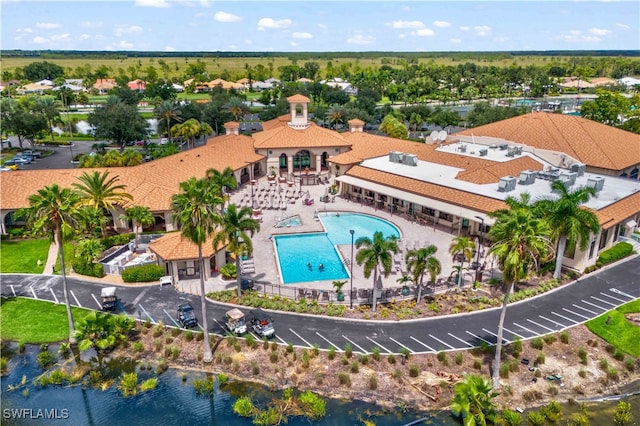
(289, 222)
(300, 255)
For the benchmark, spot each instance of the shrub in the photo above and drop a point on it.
(582, 354)
(629, 364)
(552, 390)
(414, 370)
(228, 271)
(405, 352)
(373, 381)
(477, 364)
(540, 358)
(46, 359)
(348, 350)
(442, 357)
(255, 368)
(604, 364)
(355, 367)
(504, 371)
(316, 407)
(244, 407)
(564, 337)
(618, 354)
(143, 274)
(549, 339)
(90, 269)
(537, 343)
(129, 384)
(188, 335)
(512, 418)
(536, 419)
(459, 358)
(612, 373)
(364, 359)
(273, 357)
(391, 358)
(331, 354)
(344, 379)
(397, 374)
(138, 347)
(617, 252)
(375, 353)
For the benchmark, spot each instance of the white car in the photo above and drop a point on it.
(5, 169)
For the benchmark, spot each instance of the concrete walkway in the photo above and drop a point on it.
(52, 258)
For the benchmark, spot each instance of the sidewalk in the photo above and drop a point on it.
(52, 258)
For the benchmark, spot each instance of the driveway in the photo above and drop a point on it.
(552, 312)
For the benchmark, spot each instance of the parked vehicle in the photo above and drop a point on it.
(30, 153)
(234, 321)
(6, 143)
(16, 161)
(109, 298)
(186, 315)
(261, 323)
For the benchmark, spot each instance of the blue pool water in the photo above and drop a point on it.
(289, 222)
(300, 255)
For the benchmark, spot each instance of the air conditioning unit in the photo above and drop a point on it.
(568, 178)
(504, 146)
(410, 159)
(506, 184)
(395, 157)
(596, 182)
(527, 177)
(483, 152)
(578, 168)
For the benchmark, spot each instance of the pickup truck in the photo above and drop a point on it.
(234, 322)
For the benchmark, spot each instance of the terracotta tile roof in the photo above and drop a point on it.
(430, 190)
(276, 122)
(617, 212)
(285, 137)
(355, 121)
(231, 125)
(590, 142)
(173, 246)
(298, 98)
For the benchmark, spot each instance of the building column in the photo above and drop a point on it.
(168, 221)
(174, 271)
(290, 164)
(318, 163)
(207, 267)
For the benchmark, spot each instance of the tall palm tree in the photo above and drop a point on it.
(236, 227)
(139, 216)
(472, 400)
(48, 107)
(420, 261)
(520, 243)
(191, 129)
(236, 107)
(195, 210)
(101, 191)
(374, 253)
(222, 181)
(464, 246)
(168, 111)
(569, 222)
(335, 115)
(51, 210)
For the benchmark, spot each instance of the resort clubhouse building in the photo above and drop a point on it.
(449, 181)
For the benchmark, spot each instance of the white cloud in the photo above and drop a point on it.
(500, 39)
(302, 35)
(131, 29)
(40, 40)
(482, 30)
(92, 24)
(575, 36)
(61, 37)
(47, 25)
(455, 40)
(152, 3)
(623, 26)
(360, 39)
(399, 25)
(25, 30)
(221, 16)
(424, 32)
(169, 49)
(599, 31)
(272, 24)
(125, 45)
(293, 44)
(464, 28)
(441, 24)
(85, 37)
(322, 26)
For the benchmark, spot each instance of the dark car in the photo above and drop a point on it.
(186, 315)
(261, 323)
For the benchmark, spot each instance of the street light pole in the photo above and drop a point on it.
(480, 243)
(351, 231)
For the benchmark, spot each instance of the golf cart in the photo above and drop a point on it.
(234, 322)
(186, 315)
(109, 298)
(261, 323)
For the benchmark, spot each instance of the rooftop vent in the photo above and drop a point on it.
(395, 157)
(410, 159)
(504, 146)
(568, 178)
(483, 152)
(596, 182)
(527, 177)
(578, 168)
(506, 184)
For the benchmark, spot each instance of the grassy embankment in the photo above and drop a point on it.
(619, 331)
(21, 256)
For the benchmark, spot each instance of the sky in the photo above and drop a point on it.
(319, 26)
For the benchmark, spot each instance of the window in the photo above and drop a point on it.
(446, 216)
(428, 211)
(368, 193)
(298, 110)
(604, 236)
(592, 249)
(570, 251)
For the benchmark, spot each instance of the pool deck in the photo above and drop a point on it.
(266, 268)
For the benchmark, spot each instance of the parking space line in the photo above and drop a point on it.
(463, 341)
(404, 346)
(75, 298)
(146, 313)
(54, 295)
(567, 318)
(622, 293)
(592, 304)
(378, 344)
(604, 301)
(171, 318)
(478, 337)
(543, 326)
(575, 313)
(504, 339)
(364, 351)
(13, 290)
(97, 302)
(444, 343)
(550, 320)
(614, 298)
(301, 338)
(584, 309)
(281, 340)
(329, 342)
(423, 344)
(34, 293)
(138, 297)
(515, 334)
(535, 333)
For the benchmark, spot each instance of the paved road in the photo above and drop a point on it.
(552, 312)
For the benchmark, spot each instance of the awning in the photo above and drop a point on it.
(631, 224)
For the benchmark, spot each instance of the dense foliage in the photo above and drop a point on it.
(143, 274)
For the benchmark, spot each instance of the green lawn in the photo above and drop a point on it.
(23, 255)
(619, 332)
(35, 321)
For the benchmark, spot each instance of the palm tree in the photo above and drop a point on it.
(49, 109)
(102, 332)
(191, 129)
(569, 222)
(51, 210)
(374, 253)
(236, 227)
(520, 243)
(236, 107)
(168, 111)
(90, 220)
(464, 246)
(472, 400)
(140, 216)
(222, 181)
(420, 261)
(101, 191)
(335, 115)
(194, 210)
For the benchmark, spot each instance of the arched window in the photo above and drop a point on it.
(634, 173)
(283, 161)
(325, 156)
(301, 160)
